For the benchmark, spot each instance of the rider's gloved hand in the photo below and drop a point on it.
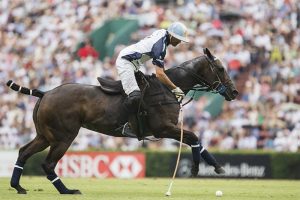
(178, 93)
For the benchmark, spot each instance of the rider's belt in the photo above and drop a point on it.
(136, 64)
(134, 59)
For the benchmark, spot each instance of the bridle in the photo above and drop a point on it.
(203, 84)
(220, 87)
(215, 87)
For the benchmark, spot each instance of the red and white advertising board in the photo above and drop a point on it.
(102, 165)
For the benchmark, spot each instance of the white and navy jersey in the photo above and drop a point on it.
(152, 47)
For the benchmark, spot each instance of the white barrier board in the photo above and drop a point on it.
(7, 162)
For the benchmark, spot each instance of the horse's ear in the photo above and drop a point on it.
(207, 52)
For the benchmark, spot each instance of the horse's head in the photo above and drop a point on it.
(214, 76)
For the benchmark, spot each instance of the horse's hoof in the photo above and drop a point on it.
(73, 192)
(76, 192)
(20, 190)
(194, 171)
(219, 170)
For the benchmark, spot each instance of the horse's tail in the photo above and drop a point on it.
(24, 90)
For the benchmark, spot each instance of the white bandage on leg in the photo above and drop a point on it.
(57, 178)
(17, 166)
(202, 149)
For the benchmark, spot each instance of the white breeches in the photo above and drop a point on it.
(126, 72)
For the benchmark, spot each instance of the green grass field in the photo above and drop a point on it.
(142, 189)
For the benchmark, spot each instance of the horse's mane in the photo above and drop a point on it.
(187, 64)
(157, 93)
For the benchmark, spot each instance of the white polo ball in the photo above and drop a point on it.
(219, 193)
(168, 193)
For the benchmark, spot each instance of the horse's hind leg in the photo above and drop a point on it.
(39, 143)
(57, 150)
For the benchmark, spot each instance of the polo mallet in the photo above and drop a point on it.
(168, 193)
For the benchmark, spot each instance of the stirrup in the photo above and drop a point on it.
(127, 131)
(152, 138)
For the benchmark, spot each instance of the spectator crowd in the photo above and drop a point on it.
(257, 40)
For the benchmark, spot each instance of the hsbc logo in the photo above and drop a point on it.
(125, 167)
(102, 165)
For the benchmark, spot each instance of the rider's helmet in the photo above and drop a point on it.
(179, 31)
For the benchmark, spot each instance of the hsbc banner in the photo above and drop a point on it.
(102, 165)
(236, 166)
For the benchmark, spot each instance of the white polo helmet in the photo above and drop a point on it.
(179, 31)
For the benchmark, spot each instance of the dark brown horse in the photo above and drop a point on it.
(62, 111)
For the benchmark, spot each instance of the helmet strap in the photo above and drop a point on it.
(170, 37)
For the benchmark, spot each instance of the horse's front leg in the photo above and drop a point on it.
(198, 150)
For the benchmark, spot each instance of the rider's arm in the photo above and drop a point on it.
(161, 75)
(158, 53)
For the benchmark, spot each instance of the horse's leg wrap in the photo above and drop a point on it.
(36, 145)
(55, 153)
(198, 150)
(15, 178)
(209, 158)
(58, 184)
(196, 153)
(55, 180)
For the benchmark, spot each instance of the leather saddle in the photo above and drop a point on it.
(137, 129)
(110, 86)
